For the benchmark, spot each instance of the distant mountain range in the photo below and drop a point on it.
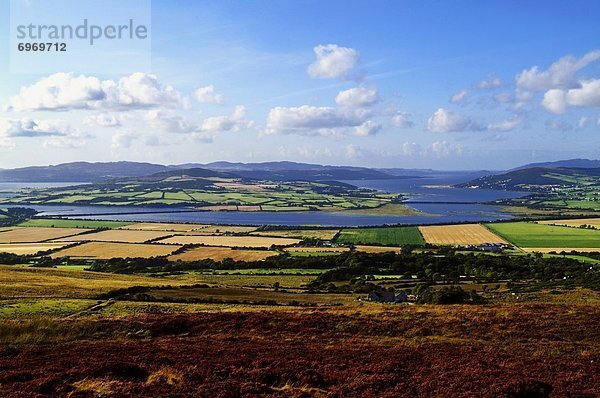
(274, 171)
(84, 172)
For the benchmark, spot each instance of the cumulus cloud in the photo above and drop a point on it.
(357, 97)
(506, 125)
(312, 120)
(33, 128)
(444, 121)
(582, 122)
(103, 120)
(490, 83)
(367, 128)
(234, 122)
(459, 97)
(65, 91)
(353, 151)
(333, 62)
(586, 95)
(159, 121)
(402, 120)
(561, 74)
(208, 95)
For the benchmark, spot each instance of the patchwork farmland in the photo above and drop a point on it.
(37, 234)
(118, 235)
(221, 253)
(230, 241)
(465, 234)
(382, 236)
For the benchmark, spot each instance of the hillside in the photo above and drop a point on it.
(537, 178)
(569, 163)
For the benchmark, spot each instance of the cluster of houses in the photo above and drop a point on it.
(489, 247)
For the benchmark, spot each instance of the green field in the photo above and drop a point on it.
(382, 236)
(528, 234)
(63, 223)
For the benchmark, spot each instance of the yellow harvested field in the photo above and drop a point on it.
(576, 222)
(230, 241)
(154, 226)
(221, 253)
(561, 249)
(323, 234)
(317, 249)
(378, 249)
(222, 229)
(466, 234)
(118, 235)
(24, 249)
(37, 234)
(107, 250)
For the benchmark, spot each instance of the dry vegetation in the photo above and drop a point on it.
(577, 222)
(151, 226)
(230, 241)
(221, 253)
(37, 234)
(465, 234)
(322, 234)
(302, 249)
(224, 229)
(108, 250)
(378, 249)
(29, 248)
(118, 235)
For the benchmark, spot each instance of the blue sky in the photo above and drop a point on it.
(424, 84)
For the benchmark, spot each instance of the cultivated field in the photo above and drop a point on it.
(299, 249)
(108, 250)
(533, 235)
(35, 234)
(171, 227)
(377, 249)
(224, 229)
(382, 236)
(24, 249)
(322, 234)
(221, 253)
(118, 235)
(66, 223)
(466, 234)
(578, 222)
(230, 241)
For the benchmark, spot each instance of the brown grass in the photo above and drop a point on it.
(107, 250)
(36, 234)
(573, 222)
(466, 234)
(231, 241)
(118, 235)
(29, 248)
(220, 253)
(378, 249)
(323, 234)
(152, 226)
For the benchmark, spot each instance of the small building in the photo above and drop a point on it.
(381, 297)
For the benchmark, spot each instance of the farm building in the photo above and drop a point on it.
(388, 297)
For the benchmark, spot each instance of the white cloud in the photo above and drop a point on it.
(123, 139)
(582, 122)
(33, 128)
(459, 97)
(444, 121)
(506, 125)
(367, 128)
(159, 121)
(234, 122)
(333, 62)
(357, 97)
(312, 120)
(207, 95)
(561, 74)
(443, 149)
(402, 120)
(64, 91)
(486, 84)
(353, 151)
(103, 120)
(410, 148)
(586, 95)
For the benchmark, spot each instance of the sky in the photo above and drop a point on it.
(458, 85)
